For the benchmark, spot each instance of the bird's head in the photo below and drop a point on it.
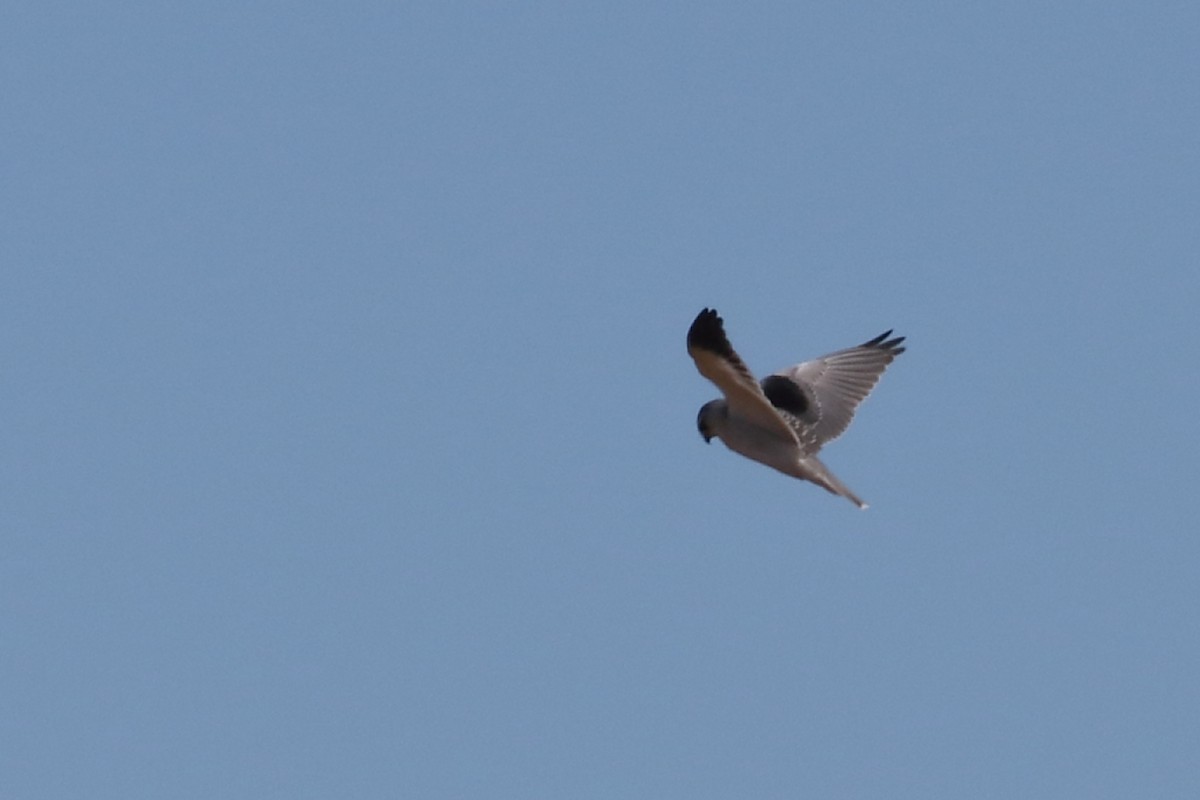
(706, 419)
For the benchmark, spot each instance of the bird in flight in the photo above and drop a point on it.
(786, 418)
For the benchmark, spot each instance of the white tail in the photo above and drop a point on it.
(819, 474)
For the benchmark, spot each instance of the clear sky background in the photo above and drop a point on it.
(349, 443)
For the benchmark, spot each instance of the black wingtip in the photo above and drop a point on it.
(708, 333)
(882, 342)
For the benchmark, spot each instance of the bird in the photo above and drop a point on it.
(785, 419)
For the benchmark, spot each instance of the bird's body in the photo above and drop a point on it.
(758, 444)
(784, 420)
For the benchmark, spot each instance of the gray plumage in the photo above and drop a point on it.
(784, 420)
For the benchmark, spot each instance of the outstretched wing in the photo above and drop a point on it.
(824, 393)
(715, 358)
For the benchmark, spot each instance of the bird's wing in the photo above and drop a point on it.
(715, 358)
(824, 393)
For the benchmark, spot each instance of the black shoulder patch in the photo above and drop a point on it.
(785, 395)
(708, 333)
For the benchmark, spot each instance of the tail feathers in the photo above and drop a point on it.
(819, 474)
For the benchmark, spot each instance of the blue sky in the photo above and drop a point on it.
(350, 447)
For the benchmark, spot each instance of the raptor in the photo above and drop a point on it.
(785, 419)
